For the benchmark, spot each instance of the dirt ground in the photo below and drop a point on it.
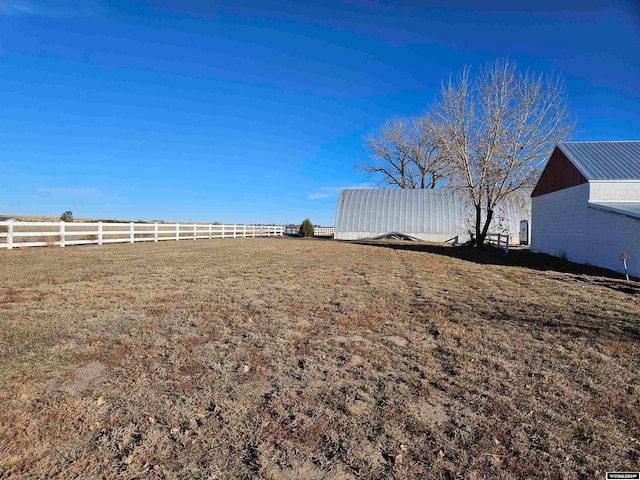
(317, 359)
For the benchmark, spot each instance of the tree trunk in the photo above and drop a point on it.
(481, 235)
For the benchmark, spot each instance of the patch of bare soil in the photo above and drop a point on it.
(285, 358)
(85, 377)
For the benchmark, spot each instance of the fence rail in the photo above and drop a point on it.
(317, 231)
(323, 231)
(38, 234)
(500, 239)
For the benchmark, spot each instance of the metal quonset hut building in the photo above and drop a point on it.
(432, 215)
(586, 205)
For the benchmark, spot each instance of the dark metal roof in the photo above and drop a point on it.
(605, 160)
(631, 209)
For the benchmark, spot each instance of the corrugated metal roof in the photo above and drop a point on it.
(411, 211)
(626, 208)
(434, 215)
(605, 160)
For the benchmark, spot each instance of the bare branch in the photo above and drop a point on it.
(405, 154)
(497, 130)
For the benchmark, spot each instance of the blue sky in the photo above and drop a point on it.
(234, 111)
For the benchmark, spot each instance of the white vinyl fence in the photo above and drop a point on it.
(323, 231)
(317, 231)
(38, 234)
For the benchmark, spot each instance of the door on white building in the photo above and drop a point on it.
(524, 232)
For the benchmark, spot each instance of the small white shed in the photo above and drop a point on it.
(586, 205)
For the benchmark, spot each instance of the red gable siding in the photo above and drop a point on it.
(559, 174)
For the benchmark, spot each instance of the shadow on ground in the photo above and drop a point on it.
(519, 258)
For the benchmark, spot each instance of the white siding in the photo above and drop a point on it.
(559, 223)
(614, 191)
(610, 234)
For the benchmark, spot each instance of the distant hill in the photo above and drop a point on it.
(35, 218)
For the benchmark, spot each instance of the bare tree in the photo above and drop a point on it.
(427, 158)
(496, 131)
(405, 154)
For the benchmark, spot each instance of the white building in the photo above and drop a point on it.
(432, 215)
(586, 205)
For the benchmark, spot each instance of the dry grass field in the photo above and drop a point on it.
(291, 358)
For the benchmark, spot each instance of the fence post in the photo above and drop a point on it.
(234, 230)
(195, 231)
(61, 233)
(244, 231)
(99, 233)
(177, 232)
(253, 231)
(155, 232)
(131, 235)
(10, 235)
(209, 231)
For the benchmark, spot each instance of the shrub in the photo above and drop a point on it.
(67, 216)
(306, 229)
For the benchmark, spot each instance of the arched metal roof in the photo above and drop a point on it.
(433, 215)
